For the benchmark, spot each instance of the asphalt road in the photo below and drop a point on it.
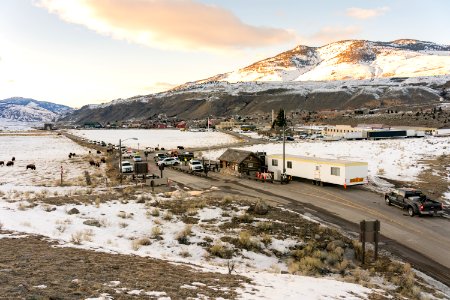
(423, 241)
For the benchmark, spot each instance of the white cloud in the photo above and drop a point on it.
(168, 24)
(366, 13)
(331, 34)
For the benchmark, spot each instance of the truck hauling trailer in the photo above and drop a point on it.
(319, 170)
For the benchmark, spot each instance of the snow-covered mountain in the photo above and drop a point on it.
(347, 60)
(30, 110)
(338, 76)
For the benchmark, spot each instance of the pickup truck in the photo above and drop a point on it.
(414, 201)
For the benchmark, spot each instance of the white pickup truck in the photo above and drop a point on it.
(127, 167)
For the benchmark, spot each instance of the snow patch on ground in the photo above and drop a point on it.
(300, 287)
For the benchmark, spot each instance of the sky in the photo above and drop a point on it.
(78, 52)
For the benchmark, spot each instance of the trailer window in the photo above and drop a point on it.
(274, 162)
(335, 171)
(289, 164)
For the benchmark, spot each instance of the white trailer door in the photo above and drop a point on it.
(317, 172)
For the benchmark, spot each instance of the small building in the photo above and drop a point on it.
(48, 126)
(88, 125)
(236, 162)
(228, 125)
(181, 125)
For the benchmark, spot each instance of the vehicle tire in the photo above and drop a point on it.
(388, 202)
(410, 211)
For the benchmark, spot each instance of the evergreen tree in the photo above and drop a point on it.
(280, 120)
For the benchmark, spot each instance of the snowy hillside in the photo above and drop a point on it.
(346, 60)
(30, 110)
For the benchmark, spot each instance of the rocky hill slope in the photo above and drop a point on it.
(30, 110)
(346, 60)
(341, 75)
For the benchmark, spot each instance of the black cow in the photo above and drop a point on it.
(99, 152)
(13, 158)
(92, 162)
(103, 160)
(10, 163)
(31, 166)
(2, 163)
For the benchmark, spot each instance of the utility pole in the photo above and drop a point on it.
(283, 177)
(120, 160)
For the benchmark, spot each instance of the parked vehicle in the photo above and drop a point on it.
(414, 201)
(319, 170)
(127, 167)
(185, 156)
(169, 161)
(160, 156)
(127, 155)
(195, 165)
(180, 147)
(137, 158)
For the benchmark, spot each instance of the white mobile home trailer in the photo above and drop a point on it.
(335, 171)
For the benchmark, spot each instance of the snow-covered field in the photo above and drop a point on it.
(12, 125)
(397, 159)
(122, 225)
(167, 138)
(126, 223)
(48, 152)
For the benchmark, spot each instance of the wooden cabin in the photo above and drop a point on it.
(236, 162)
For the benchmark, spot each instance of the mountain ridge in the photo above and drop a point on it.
(342, 75)
(31, 110)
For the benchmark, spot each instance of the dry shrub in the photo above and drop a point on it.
(185, 253)
(82, 236)
(310, 266)
(332, 258)
(227, 200)
(125, 215)
(243, 218)
(246, 241)
(192, 211)
(156, 232)
(342, 266)
(48, 208)
(168, 216)
(220, 250)
(264, 226)
(138, 243)
(183, 236)
(266, 239)
(123, 225)
(361, 275)
(22, 206)
(155, 212)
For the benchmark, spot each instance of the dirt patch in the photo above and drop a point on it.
(68, 273)
(434, 179)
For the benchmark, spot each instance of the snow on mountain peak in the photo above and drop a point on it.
(347, 60)
(30, 110)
